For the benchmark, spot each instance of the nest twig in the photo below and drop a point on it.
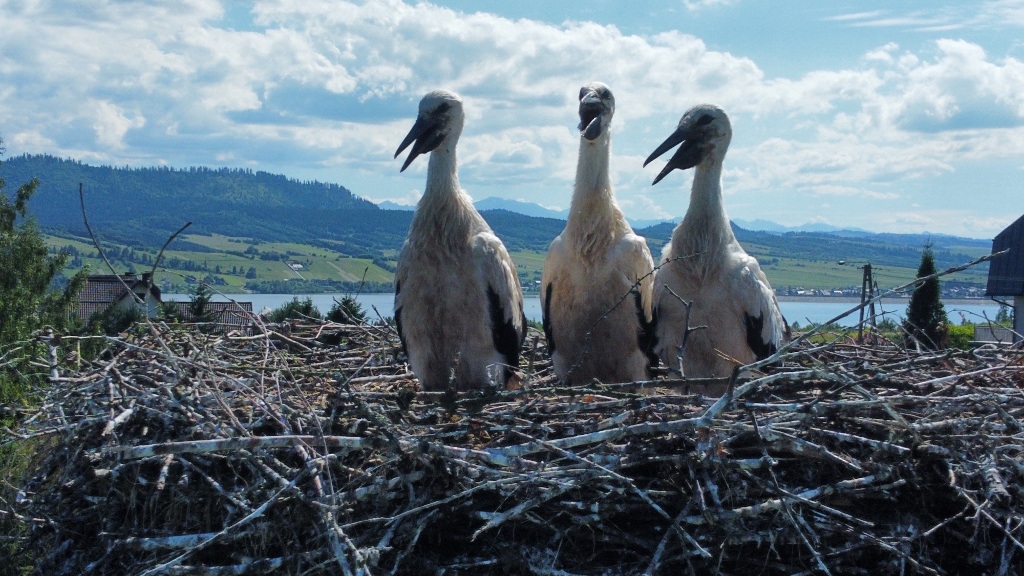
(180, 452)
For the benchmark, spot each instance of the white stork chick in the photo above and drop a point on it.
(596, 283)
(705, 265)
(458, 304)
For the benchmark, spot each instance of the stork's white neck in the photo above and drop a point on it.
(445, 213)
(442, 173)
(705, 230)
(706, 199)
(595, 219)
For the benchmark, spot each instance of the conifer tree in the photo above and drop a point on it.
(926, 316)
(199, 307)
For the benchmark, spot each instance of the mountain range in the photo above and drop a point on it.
(538, 211)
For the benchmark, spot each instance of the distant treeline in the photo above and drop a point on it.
(297, 286)
(902, 250)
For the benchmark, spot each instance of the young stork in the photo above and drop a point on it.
(596, 283)
(458, 305)
(705, 265)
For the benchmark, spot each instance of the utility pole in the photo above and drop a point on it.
(867, 293)
(868, 287)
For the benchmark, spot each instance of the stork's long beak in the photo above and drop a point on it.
(426, 133)
(591, 116)
(687, 156)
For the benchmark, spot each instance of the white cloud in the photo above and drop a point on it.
(835, 190)
(856, 16)
(1009, 12)
(694, 5)
(332, 87)
(32, 141)
(883, 54)
(111, 124)
(640, 204)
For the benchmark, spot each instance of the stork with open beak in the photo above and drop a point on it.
(597, 278)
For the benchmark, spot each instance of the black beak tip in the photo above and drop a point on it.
(664, 172)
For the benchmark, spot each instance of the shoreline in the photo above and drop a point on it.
(807, 299)
(855, 300)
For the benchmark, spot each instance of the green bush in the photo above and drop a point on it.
(295, 309)
(115, 320)
(960, 336)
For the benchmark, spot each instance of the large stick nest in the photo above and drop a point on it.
(180, 452)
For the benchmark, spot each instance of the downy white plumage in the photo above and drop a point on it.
(458, 304)
(596, 283)
(704, 264)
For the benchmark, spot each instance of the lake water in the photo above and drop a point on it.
(802, 311)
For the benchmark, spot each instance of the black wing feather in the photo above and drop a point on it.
(507, 339)
(398, 318)
(760, 348)
(546, 320)
(646, 337)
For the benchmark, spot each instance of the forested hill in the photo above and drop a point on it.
(141, 207)
(167, 188)
(146, 204)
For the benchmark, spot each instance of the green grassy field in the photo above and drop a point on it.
(227, 261)
(224, 260)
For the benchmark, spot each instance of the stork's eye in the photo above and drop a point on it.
(604, 93)
(583, 91)
(704, 120)
(442, 108)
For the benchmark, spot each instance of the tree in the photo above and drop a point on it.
(1003, 317)
(926, 316)
(28, 300)
(347, 311)
(199, 307)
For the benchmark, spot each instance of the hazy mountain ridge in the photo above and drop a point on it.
(903, 250)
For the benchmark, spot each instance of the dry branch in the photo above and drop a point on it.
(187, 453)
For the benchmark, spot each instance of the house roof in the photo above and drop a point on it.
(227, 315)
(1006, 272)
(103, 290)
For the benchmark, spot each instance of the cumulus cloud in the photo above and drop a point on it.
(111, 124)
(331, 87)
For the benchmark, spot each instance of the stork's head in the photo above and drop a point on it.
(704, 132)
(597, 105)
(439, 122)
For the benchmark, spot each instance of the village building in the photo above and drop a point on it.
(105, 292)
(226, 316)
(1006, 272)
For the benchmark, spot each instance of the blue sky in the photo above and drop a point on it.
(888, 116)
